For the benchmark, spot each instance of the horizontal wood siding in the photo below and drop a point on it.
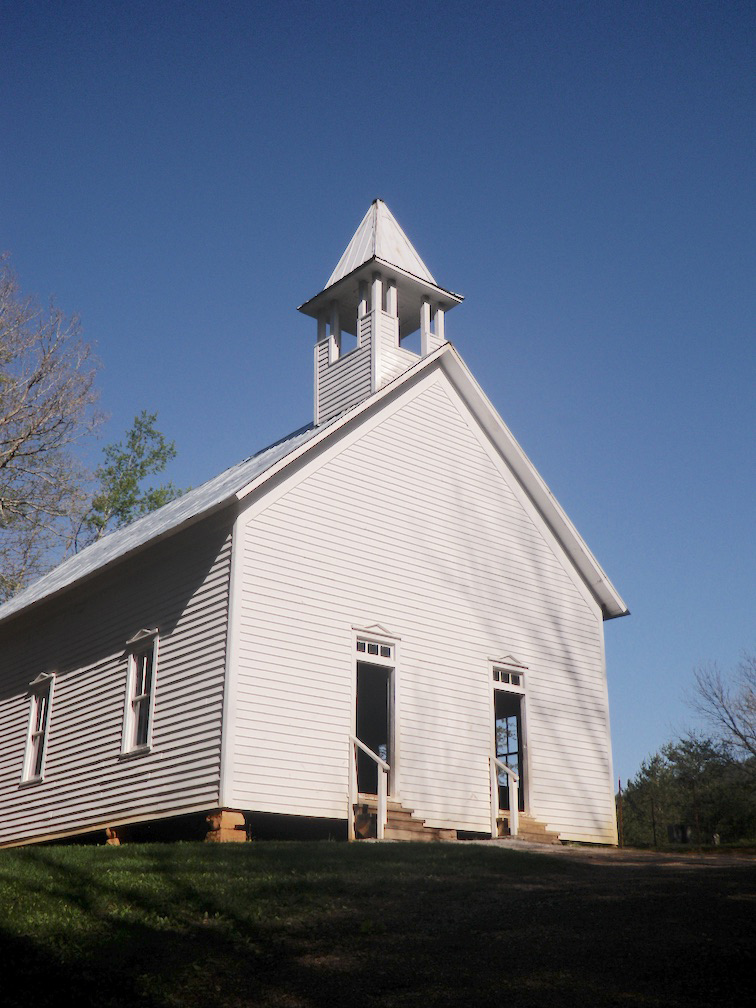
(181, 587)
(344, 382)
(413, 526)
(394, 360)
(364, 328)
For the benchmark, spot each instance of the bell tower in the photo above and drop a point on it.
(380, 293)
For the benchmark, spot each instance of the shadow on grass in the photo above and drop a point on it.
(316, 924)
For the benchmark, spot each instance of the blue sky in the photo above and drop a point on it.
(183, 175)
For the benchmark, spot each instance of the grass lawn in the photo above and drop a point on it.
(316, 924)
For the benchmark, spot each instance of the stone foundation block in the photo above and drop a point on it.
(226, 826)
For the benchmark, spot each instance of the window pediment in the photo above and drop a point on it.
(508, 660)
(376, 630)
(41, 680)
(142, 637)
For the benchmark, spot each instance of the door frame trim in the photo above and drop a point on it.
(380, 635)
(511, 664)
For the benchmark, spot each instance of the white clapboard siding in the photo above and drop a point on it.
(344, 382)
(415, 524)
(181, 587)
(395, 360)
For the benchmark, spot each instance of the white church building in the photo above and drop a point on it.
(384, 624)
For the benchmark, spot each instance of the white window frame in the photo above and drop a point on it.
(37, 734)
(502, 675)
(143, 645)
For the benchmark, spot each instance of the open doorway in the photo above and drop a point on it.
(509, 745)
(373, 723)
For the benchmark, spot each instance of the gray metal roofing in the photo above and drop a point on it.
(192, 505)
(379, 234)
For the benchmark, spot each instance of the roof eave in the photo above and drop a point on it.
(317, 303)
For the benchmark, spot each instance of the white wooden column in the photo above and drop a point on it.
(391, 299)
(425, 330)
(334, 348)
(376, 294)
(362, 307)
(322, 327)
(438, 323)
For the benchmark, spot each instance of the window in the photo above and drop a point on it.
(40, 691)
(508, 674)
(375, 649)
(507, 677)
(140, 694)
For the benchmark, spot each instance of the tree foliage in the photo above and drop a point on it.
(47, 397)
(120, 497)
(691, 782)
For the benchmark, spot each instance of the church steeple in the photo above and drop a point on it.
(380, 293)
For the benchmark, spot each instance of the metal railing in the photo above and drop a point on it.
(514, 797)
(383, 772)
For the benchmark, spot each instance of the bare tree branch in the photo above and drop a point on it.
(728, 704)
(47, 398)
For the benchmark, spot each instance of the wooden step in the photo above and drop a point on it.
(528, 829)
(422, 835)
(401, 822)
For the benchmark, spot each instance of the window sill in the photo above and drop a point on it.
(134, 753)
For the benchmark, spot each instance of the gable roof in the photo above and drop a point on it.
(379, 236)
(243, 479)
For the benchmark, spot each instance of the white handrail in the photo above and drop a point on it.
(514, 797)
(383, 767)
(374, 756)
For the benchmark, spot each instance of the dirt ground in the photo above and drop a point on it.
(631, 855)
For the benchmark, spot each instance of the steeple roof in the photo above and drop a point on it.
(380, 236)
(379, 243)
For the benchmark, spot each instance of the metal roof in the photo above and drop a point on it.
(203, 499)
(380, 236)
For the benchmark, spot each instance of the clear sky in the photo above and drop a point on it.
(183, 175)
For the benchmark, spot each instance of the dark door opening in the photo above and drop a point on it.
(508, 714)
(373, 722)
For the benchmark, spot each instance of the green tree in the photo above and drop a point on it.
(121, 496)
(691, 781)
